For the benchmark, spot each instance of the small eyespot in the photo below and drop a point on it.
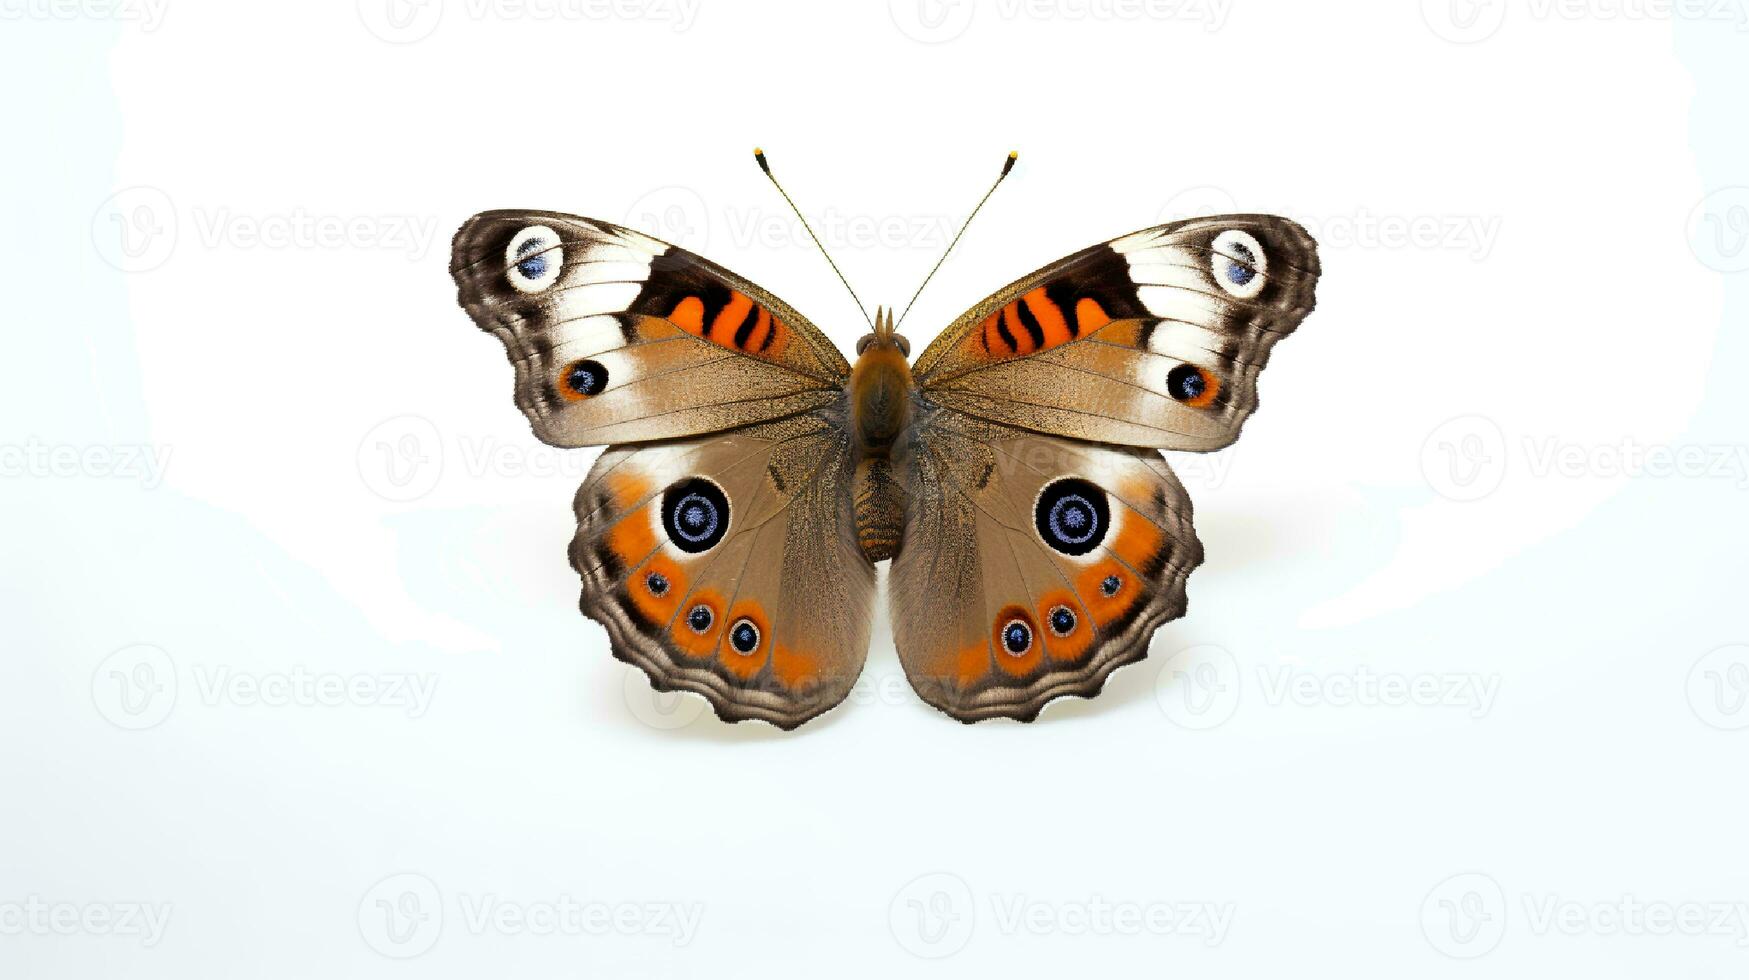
(695, 513)
(1109, 586)
(533, 259)
(701, 617)
(1016, 637)
(1072, 516)
(584, 379)
(1062, 620)
(1238, 263)
(1192, 385)
(744, 636)
(657, 583)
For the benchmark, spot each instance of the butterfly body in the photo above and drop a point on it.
(728, 535)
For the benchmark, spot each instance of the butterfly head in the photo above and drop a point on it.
(885, 336)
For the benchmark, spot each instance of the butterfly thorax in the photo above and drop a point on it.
(881, 392)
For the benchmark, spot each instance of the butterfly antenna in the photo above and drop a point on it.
(1007, 165)
(759, 155)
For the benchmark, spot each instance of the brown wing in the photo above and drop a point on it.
(1032, 566)
(729, 566)
(1154, 339)
(618, 337)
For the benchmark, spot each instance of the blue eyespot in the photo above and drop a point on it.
(586, 378)
(1186, 383)
(1072, 516)
(695, 513)
(1243, 270)
(744, 636)
(1017, 637)
(700, 618)
(1062, 620)
(657, 583)
(1109, 585)
(533, 266)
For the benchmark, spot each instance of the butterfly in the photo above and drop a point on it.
(727, 538)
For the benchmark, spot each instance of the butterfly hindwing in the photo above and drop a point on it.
(728, 566)
(1152, 339)
(1032, 566)
(619, 337)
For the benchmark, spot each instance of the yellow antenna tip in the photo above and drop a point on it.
(1008, 164)
(759, 157)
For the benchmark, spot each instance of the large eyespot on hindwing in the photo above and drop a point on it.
(695, 513)
(533, 259)
(1193, 386)
(583, 379)
(1238, 263)
(1072, 516)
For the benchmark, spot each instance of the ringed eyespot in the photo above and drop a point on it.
(533, 259)
(1238, 263)
(744, 636)
(1072, 516)
(1017, 636)
(700, 618)
(1062, 620)
(695, 513)
(1192, 385)
(584, 379)
(657, 583)
(1109, 586)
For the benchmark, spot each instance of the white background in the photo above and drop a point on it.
(292, 662)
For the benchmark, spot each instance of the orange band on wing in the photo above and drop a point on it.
(1033, 323)
(739, 324)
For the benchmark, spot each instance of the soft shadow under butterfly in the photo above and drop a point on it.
(728, 536)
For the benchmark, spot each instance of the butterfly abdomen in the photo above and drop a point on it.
(880, 409)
